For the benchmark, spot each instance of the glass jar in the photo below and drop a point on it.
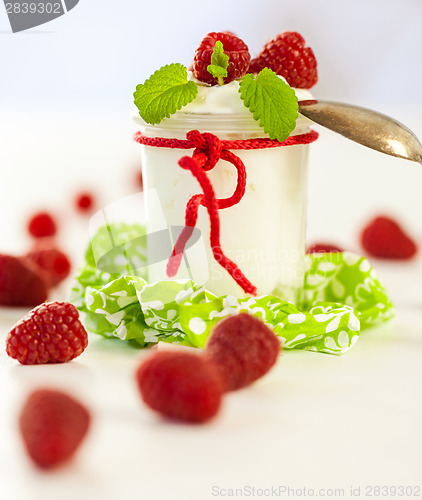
(264, 234)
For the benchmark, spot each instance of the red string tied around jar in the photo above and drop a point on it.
(208, 150)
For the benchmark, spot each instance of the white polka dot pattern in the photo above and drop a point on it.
(341, 296)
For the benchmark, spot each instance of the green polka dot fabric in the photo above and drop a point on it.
(342, 295)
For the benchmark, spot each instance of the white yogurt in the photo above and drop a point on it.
(265, 233)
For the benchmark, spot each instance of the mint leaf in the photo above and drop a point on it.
(164, 93)
(219, 63)
(272, 102)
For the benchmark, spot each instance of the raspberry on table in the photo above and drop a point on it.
(288, 57)
(139, 179)
(50, 333)
(53, 425)
(85, 202)
(383, 237)
(244, 349)
(234, 47)
(323, 248)
(51, 259)
(21, 283)
(42, 224)
(180, 385)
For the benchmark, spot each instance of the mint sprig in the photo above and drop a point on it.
(164, 93)
(272, 102)
(219, 63)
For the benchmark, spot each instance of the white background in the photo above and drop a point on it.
(316, 421)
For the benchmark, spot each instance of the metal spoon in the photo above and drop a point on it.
(365, 126)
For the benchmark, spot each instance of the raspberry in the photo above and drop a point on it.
(233, 46)
(180, 385)
(53, 426)
(50, 333)
(287, 56)
(244, 349)
(84, 202)
(140, 180)
(383, 237)
(52, 260)
(21, 283)
(42, 224)
(323, 248)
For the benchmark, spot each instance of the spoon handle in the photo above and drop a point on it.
(365, 126)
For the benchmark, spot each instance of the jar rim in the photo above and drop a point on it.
(213, 122)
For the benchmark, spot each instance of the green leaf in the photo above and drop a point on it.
(164, 93)
(219, 63)
(272, 102)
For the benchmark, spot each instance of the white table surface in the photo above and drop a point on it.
(315, 421)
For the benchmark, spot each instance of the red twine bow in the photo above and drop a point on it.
(208, 151)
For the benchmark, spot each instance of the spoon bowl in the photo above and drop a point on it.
(364, 126)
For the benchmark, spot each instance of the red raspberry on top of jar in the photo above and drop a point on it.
(234, 47)
(287, 56)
